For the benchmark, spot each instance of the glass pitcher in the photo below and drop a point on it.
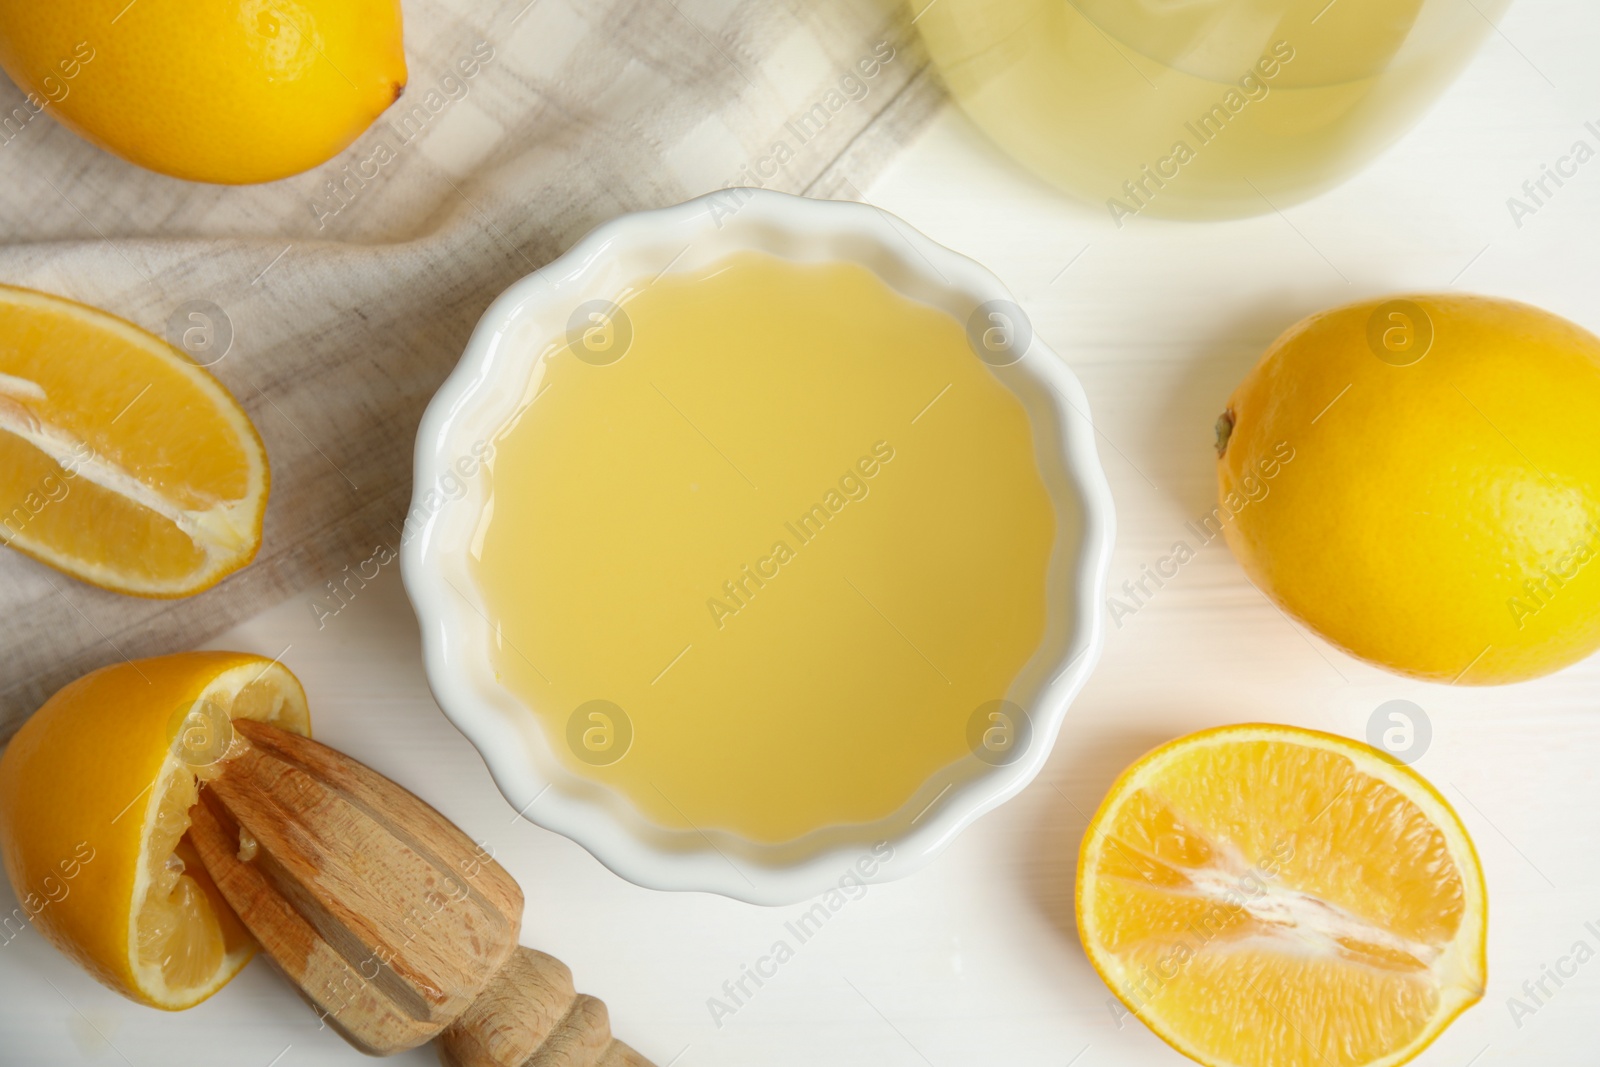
(1198, 108)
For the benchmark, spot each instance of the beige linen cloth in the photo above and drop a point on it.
(350, 290)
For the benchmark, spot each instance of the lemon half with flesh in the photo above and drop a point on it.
(95, 792)
(122, 462)
(1266, 896)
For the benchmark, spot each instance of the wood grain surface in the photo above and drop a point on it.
(393, 924)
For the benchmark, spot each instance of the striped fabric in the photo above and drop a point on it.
(349, 291)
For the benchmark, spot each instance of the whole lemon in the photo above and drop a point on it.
(1417, 479)
(229, 91)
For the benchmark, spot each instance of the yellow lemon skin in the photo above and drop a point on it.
(1417, 479)
(76, 806)
(228, 91)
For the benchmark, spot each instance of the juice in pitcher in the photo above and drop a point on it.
(1198, 108)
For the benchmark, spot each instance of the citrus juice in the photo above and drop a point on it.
(759, 544)
(1198, 107)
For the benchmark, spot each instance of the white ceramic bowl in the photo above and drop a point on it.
(449, 493)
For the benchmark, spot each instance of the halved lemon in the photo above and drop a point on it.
(122, 462)
(1265, 895)
(95, 792)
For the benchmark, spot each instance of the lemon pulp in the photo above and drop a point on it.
(183, 929)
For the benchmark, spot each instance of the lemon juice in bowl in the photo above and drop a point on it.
(784, 555)
(1198, 108)
(762, 545)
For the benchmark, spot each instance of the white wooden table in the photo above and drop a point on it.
(975, 960)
